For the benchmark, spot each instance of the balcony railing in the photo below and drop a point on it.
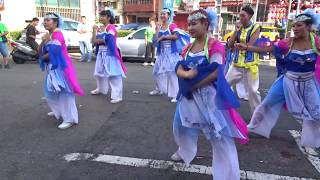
(72, 13)
(137, 2)
(139, 6)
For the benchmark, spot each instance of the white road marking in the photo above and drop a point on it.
(310, 153)
(175, 166)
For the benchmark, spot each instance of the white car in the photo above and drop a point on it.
(133, 45)
(69, 31)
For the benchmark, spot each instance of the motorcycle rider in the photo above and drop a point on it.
(31, 34)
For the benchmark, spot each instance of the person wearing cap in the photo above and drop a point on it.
(245, 63)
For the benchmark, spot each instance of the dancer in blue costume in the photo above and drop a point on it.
(297, 86)
(206, 102)
(109, 69)
(168, 40)
(61, 82)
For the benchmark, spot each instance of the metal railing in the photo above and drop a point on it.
(127, 2)
(72, 13)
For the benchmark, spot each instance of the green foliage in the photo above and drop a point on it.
(123, 33)
(14, 35)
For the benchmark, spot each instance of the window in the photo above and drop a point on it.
(74, 3)
(64, 3)
(70, 26)
(52, 2)
(143, 19)
(41, 2)
(139, 34)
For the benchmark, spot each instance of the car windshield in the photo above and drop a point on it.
(139, 34)
(70, 26)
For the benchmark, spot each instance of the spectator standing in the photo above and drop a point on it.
(3, 44)
(150, 31)
(85, 39)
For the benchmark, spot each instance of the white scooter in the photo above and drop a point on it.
(22, 52)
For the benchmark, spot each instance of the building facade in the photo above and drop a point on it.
(139, 10)
(116, 5)
(16, 12)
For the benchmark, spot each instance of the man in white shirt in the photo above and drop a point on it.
(85, 32)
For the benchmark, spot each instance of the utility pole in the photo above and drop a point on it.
(256, 11)
(160, 9)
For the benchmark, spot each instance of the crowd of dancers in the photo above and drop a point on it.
(196, 78)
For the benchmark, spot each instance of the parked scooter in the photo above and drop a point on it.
(22, 52)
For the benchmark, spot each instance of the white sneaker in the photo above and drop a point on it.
(176, 157)
(50, 114)
(152, 64)
(145, 64)
(65, 125)
(250, 127)
(95, 92)
(173, 100)
(244, 99)
(155, 92)
(115, 101)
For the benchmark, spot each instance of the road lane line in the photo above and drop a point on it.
(175, 166)
(310, 153)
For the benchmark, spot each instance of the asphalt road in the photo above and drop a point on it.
(33, 148)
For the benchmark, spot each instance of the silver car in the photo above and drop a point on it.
(133, 45)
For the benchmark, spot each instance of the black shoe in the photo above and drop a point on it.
(6, 66)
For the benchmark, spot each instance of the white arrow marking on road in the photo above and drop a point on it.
(161, 164)
(310, 153)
